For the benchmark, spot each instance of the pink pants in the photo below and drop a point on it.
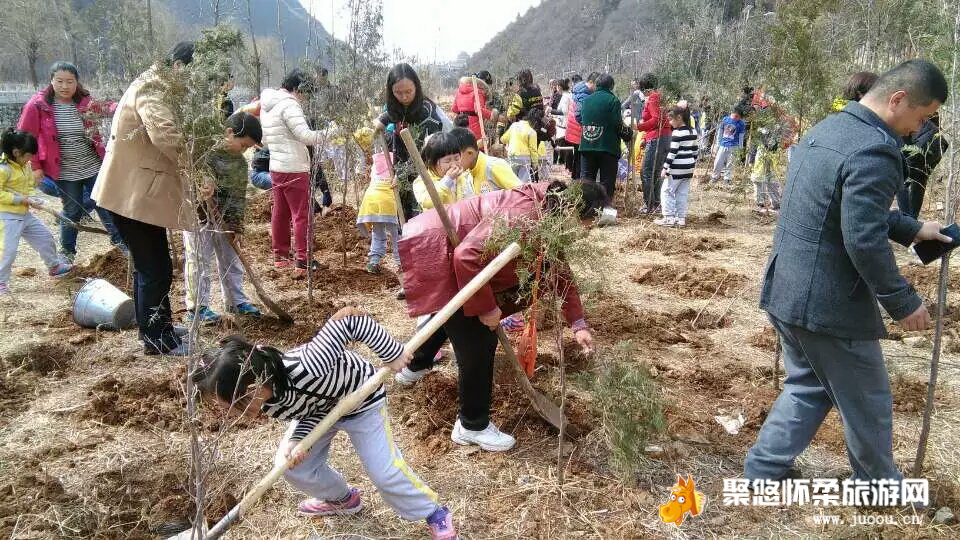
(291, 194)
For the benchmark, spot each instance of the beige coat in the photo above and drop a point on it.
(140, 176)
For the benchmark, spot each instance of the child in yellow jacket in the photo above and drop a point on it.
(523, 148)
(16, 221)
(441, 154)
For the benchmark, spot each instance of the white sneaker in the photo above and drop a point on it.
(665, 221)
(406, 377)
(680, 222)
(490, 438)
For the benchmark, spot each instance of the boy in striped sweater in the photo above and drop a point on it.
(678, 169)
(303, 385)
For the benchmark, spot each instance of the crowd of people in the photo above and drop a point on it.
(488, 160)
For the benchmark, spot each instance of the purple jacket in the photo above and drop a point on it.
(38, 119)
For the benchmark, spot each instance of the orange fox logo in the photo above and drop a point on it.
(683, 498)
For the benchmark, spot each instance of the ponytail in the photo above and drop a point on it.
(237, 365)
(17, 140)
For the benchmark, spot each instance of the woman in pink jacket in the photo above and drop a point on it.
(63, 119)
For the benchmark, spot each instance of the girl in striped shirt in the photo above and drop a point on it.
(678, 169)
(303, 385)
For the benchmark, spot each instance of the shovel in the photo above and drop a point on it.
(68, 222)
(546, 408)
(349, 403)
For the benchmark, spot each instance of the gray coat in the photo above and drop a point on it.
(832, 261)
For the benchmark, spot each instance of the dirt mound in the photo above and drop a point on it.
(149, 402)
(925, 278)
(16, 393)
(671, 242)
(765, 339)
(436, 399)
(332, 276)
(715, 220)
(910, 396)
(690, 282)
(614, 321)
(308, 320)
(43, 358)
(573, 357)
(111, 266)
(259, 208)
(29, 492)
(338, 230)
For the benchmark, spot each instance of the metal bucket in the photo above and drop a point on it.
(99, 304)
(607, 217)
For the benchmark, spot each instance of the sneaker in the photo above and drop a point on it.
(301, 267)
(441, 525)
(680, 222)
(67, 256)
(351, 504)
(373, 268)
(401, 294)
(490, 438)
(245, 309)
(60, 269)
(282, 263)
(406, 377)
(665, 221)
(204, 314)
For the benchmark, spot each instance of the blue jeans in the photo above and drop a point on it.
(825, 372)
(378, 242)
(72, 196)
(653, 157)
(261, 179)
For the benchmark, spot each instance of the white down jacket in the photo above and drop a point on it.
(285, 132)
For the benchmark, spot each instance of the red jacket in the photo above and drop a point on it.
(653, 120)
(464, 103)
(38, 119)
(433, 272)
(574, 129)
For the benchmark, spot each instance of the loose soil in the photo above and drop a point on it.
(111, 266)
(765, 339)
(614, 321)
(670, 242)
(690, 282)
(43, 358)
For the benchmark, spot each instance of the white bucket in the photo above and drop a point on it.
(99, 304)
(607, 217)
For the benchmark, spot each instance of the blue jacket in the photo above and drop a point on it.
(580, 93)
(831, 260)
(730, 133)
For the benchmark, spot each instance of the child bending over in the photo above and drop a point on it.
(303, 385)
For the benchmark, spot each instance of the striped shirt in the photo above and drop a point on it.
(78, 159)
(323, 371)
(682, 157)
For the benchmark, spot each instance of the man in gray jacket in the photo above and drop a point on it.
(830, 266)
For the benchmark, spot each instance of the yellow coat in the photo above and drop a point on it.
(449, 191)
(492, 173)
(16, 183)
(521, 141)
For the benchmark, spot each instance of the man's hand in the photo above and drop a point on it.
(930, 230)
(492, 319)
(584, 339)
(293, 458)
(918, 320)
(400, 363)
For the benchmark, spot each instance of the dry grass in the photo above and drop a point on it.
(66, 472)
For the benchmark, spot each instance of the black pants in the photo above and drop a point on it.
(475, 346)
(600, 167)
(152, 277)
(572, 159)
(910, 196)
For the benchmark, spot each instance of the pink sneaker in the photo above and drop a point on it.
(60, 269)
(351, 504)
(441, 525)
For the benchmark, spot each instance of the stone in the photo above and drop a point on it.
(943, 516)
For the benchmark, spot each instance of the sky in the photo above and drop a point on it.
(429, 28)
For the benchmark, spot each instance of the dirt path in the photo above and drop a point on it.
(93, 445)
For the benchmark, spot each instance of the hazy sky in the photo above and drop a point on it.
(429, 27)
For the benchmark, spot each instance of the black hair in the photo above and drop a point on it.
(465, 138)
(747, 90)
(18, 140)
(564, 84)
(484, 76)
(589, 197)
(575, 78)
(182, 52)
(681, 112)
(298, 80)
(535, 118)
(923, 82)
(592, 77)
(461, 120)
(605, 81)
(245, 125)
(858, 85)
(398, 73)
(737, 109)
(648, 81)
(508, 83)
(439, 145)
(237, 365)
(81, 92)
(525, 78)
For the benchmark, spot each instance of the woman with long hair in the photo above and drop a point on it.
(63, 119)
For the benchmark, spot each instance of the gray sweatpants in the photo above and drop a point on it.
(372, 438)
(825, 372)
(723, 163)
(13, 227)
(674, 197)
(201, 248)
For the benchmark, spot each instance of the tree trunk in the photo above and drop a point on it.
(150, 25)
(257, 63)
